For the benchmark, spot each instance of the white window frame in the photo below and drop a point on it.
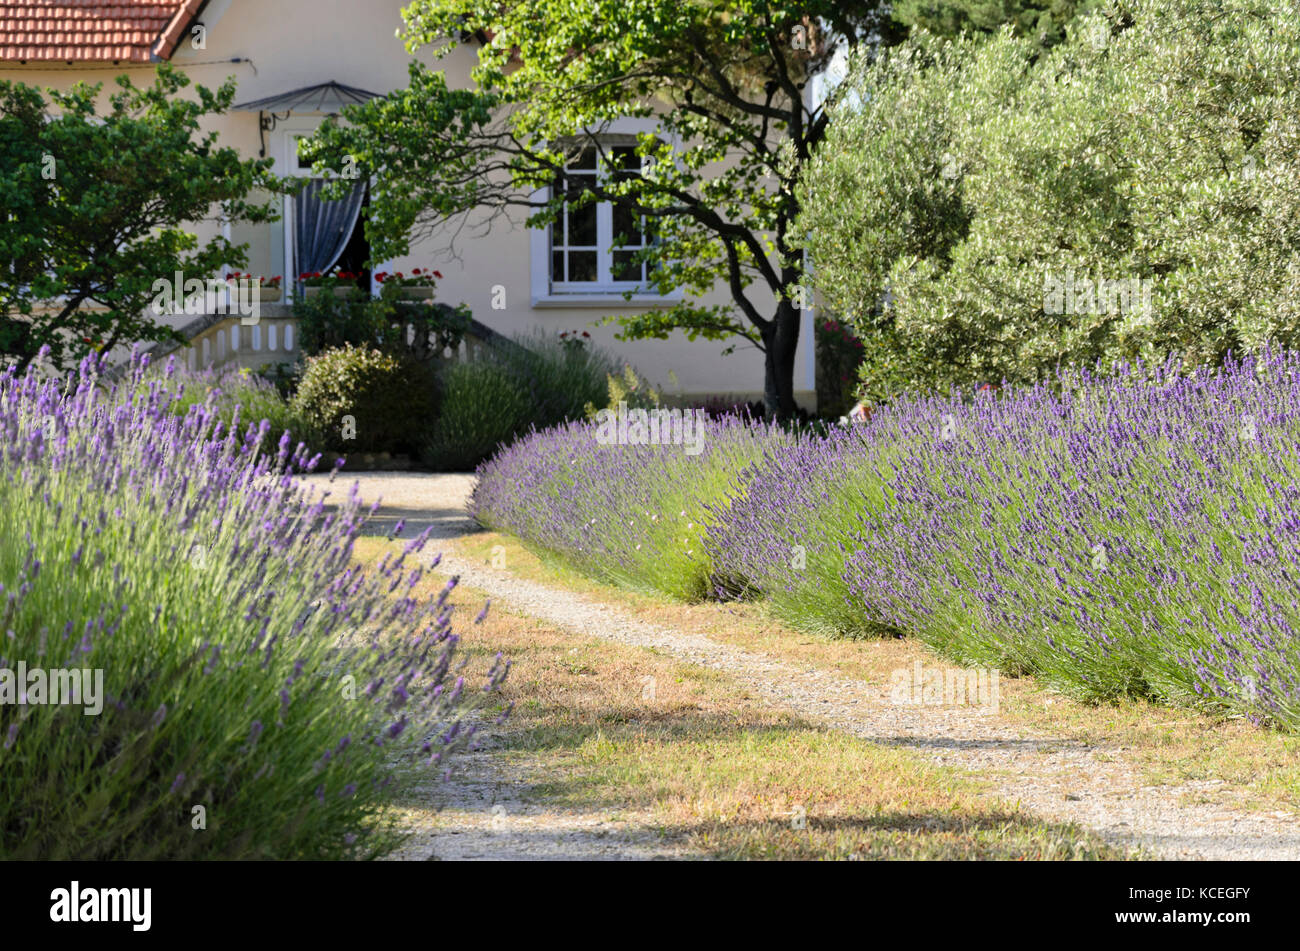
(549, 294)
(289, 131)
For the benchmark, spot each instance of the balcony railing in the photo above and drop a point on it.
(218, 341)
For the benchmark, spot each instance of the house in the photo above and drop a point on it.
(297, 62)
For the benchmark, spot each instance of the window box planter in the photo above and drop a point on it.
(342, 284)
(267, 290)
(421, 284)
(343, 291)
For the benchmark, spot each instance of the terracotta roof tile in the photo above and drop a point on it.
(91, 31)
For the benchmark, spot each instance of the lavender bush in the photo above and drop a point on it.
(633, 514)
(264, 697)
(1134, 535)
(240, 391)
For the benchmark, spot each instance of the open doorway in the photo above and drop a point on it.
(356, 253)
(329, 235)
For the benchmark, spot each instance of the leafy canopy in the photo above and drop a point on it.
(1135, 191)
(724, 82)
(92, 207)
(1040, 21)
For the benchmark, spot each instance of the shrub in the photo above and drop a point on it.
(625, 387)
(633, 514)
(839, 355)
(560, 374)
(970, 197)
(240, 394)
(249, 667)
(1132, 535)
(327, 322)
(366, 400)
(410, 330)
(481, 405)
(283, 376)
(534, 381)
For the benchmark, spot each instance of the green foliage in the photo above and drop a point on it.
(559, 376)
(249, 670)
(482, 405)
(725, 84)
(1041, 21)
(283, 376)
(94, 204)
(1155, 150)
(242, 397)
(426, 330)
(839, 355)
(537, 381)
(365, 400)
(625, 387)
(419, 330)
(326, 322)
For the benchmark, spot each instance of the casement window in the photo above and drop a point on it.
(574, 261)
(584, 257)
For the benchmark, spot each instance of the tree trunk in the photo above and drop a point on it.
(27, 354)
(781, 342)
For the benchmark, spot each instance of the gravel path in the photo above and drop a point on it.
(488, 811)
(1054, 778)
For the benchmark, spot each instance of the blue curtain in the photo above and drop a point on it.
(323, 227)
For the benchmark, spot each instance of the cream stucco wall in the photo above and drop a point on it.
(288, 44)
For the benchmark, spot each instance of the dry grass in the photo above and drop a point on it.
(1259, 768)
(607, 727)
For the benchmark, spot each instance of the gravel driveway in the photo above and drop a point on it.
(1055, 778)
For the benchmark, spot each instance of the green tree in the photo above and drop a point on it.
(92, 207)
(994, 211)
(1041, 21)
(727, 83)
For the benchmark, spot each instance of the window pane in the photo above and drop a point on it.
(623, 158)
(584, 159)
(625, 267)
(557, 265)
(627, 225)
(582, 265)
(582, 226)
